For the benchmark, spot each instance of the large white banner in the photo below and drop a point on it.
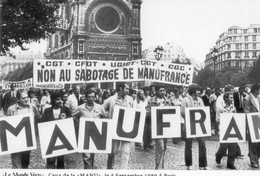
(95, 135)
(24, 84)
(253, 120)
(166, 122)
(197, 121)
(232, 127)
(128, 124)
(57, 138)
(17, 134)
(82, 71)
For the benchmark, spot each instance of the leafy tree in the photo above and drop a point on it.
(20, 73)
(26, 21)
(205, 78)
(254, 72)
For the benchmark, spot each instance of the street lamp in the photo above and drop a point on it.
(214, 54)
(158, 52)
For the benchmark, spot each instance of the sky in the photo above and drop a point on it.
(195, 25)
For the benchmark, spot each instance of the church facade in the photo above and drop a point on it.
(97, 30)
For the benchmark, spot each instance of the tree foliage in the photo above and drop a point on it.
(25, 21)
(233, 76)
(254, 73)
(20, 73)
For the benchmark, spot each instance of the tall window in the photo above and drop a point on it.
(245, 31)
(228, 55)
(246, 54)
(135, 48)
(254, 54)
(81, 46)
(246, 38)
(237, 46)
(255, 30)
(246, 46)
(56, 41)
(136, 17)
(235, 31)
(254, 37)
(237, 55)
(254, 46)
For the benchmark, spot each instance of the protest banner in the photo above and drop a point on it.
(17, 134)
(57, 138)
(82, 71)
(95, 135)
(128, 124)
(166, 122)
(253, 120)
(24, 84)
(232, 127)
(197, 121)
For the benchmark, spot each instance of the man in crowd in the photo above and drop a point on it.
(21, 160)
(231, 147)
(193, 100)
(120, 98)
(9, 98)
(159, 99)
(251, 104)
(89, 110)
(56, 112)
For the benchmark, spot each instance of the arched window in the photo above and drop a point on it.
(56, 41)
(62, 40)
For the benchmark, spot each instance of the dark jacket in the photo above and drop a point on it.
(8, 101)
(48, 114)
(238, 103)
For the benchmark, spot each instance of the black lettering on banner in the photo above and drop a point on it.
(232, 125)
(132, 134)
(65, 75)
(140, 72)
(116, 74)
(4, 126)
(256, 124)
(201, 120)
(94, 74)
(77, 72)
(99, 139)
(187, 78)
(88, 75)
(57, 133)
(159, 119)
(46, 75)
(128, 73)
(125, 73)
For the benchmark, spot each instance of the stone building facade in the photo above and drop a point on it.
(97, 30)
(237, 48)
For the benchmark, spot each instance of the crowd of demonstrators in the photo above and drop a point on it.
(49, 105)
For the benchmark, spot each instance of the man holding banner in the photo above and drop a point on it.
(251, 104)
(21, 160)
(119, 99)
(231, 147)
(160, 144)
(55, 112)
(193, 100)
(89, 110)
